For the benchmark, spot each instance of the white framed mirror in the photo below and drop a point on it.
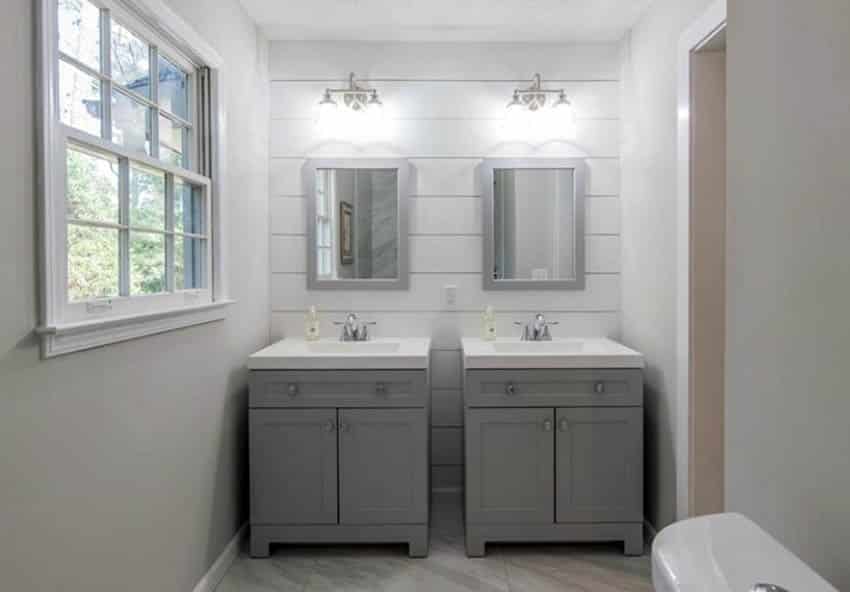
(533, 220)
(357, 220)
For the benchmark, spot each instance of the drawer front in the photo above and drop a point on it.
(554, 388)
(343, 388)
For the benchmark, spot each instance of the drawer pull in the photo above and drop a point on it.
(330, 426)
(599, 388)
(563, 425)
(380, 389)
(292, 390)
(547, 425)
(510, 389)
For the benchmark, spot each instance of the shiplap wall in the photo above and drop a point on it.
(444, 104)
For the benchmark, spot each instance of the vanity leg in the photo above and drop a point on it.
(418, 545)
(633, 542)
(474, 546)
(259, 547)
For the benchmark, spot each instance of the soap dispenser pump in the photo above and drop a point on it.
(311, 325)
(488, 324)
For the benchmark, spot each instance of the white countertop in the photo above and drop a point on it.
(332, 354)
(558, 353)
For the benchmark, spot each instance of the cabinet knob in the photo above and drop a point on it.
(330, 426)
(380, 389)
(344, 426)
(547, 425)
(599, 387)
(292, 390)
(510, 389)
(563, 425)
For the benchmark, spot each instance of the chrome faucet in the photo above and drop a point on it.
(353, 329)
(537, 329)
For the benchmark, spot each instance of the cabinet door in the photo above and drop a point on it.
(510, 465)
(600, 464)
(293, 458)
(383, 466)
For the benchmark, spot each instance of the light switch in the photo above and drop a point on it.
(450, 294)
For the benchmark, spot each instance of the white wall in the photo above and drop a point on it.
(444, 110)
(122, 468)
(648, 231)
(788, 258)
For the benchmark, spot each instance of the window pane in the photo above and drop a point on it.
(79, 99)
(92, 262)
(172, 142)
(147, 198)
(173, 89)
(188, 262)
(92, 187)
(79, 31)
(188, 208)
(130, 123)
(130, 60)
(147, 263)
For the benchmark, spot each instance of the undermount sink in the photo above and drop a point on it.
(332, 354)
(558, 353)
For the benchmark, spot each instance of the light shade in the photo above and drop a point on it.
(327, 109)
(375, 108)
(564, 113)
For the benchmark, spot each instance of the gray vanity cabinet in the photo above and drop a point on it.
(598, 470)
(339, 457)
(554, 455)
(382, 476)
(509, 457)
(299, 487)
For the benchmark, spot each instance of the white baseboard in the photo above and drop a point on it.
(216, 572)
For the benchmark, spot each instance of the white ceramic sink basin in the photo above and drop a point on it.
(564, 346)
(354, 347)
(329, 354)
(558, 353)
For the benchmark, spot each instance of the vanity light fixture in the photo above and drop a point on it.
(356, 97)
(534, 98)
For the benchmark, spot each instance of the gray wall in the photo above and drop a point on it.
(648, 210)
(122, 468)
(788, 258)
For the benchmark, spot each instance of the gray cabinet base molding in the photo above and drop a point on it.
(414, 535)
(477, 535)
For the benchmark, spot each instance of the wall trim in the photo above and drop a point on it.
(215, 573)
(691, 39)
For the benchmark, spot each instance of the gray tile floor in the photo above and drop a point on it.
(387, 568)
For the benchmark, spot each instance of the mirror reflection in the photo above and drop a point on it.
(357, 231)
(534, 224)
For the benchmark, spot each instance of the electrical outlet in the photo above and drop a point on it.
(450, 294)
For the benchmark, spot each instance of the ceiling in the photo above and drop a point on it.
(446, 20)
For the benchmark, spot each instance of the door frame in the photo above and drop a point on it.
(703, 29)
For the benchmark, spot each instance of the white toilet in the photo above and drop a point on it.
(727, 553)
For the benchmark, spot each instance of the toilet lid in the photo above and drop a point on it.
(726, 553)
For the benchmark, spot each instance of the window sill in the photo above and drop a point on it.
(57, 340)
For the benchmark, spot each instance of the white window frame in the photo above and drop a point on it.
(67, 326)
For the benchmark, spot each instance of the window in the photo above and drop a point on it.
(325, 223)
(127, 143)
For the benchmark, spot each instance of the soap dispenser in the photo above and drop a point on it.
(488, 324)
(311, 325)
